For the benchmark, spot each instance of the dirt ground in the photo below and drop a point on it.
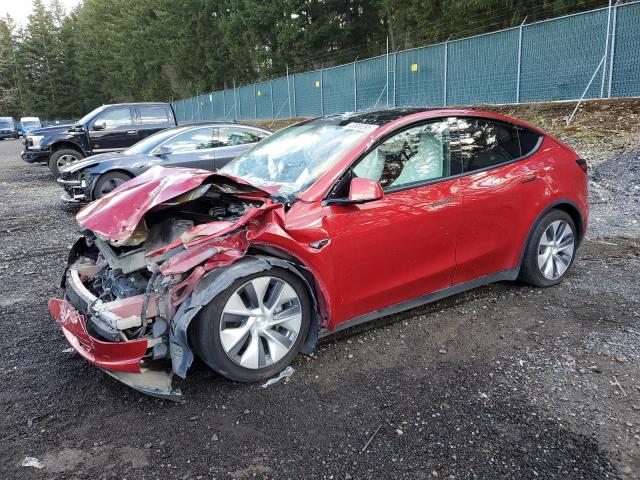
(501, 382)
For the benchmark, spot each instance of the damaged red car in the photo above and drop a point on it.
(327, 224)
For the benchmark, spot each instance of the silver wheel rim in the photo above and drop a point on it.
(110, 185)
(555, 250)
(260, 322)
(66, 160)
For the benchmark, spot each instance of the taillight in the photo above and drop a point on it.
(582, 163)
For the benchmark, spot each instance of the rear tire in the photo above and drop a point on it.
(550, 251)
(109, 182)
(275, 346)
(61, 158)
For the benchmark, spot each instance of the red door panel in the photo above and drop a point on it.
(394, 249)
(499, 206)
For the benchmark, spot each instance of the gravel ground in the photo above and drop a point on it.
(502, 382)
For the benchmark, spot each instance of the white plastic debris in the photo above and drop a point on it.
(32, 462)
(286, 373)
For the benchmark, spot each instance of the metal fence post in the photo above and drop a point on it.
(612, 49)
(321, 93)
(519, 60)
(236, 103)
(395, 76)
(271, 93)
(446, 54)
(606, 49)
(295, 113)
(289, 94)
(355, 88)
(224, 102)
(387, 72)
(255, 102)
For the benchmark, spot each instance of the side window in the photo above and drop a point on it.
(229, 136)
(197, 139)
(153, 114)
(528, 140)
(485, 143)
(115, 118)
(415, 155)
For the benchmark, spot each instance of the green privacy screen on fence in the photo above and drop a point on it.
(550, 60)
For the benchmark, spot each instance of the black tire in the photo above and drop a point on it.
(108, 182)
(530, 271)
(58, 154)
(205, 337)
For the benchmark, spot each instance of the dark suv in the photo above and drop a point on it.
(8, 128)
(109, 128)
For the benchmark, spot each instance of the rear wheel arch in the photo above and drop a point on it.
(564, 205)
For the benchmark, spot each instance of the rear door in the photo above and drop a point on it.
(193, 148)
(402, 246)
(151, 119)
(113, 129)
(234, 141)
(502, 181)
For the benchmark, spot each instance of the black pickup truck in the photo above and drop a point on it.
(109, 128)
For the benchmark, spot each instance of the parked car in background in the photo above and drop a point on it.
(27, 124)
(322, 226)
(8, 128)
(209, 146)
(109, 128)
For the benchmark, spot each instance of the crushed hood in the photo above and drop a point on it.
(117, 215)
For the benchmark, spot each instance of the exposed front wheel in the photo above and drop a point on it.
(551, 250)
(109, 182)
(63, 157)
(255, 327)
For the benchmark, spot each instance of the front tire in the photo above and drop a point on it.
(63, 157)
(255, 327)
(550, 251)
(109, 182)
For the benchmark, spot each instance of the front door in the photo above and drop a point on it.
(112, 130)
(402, 246)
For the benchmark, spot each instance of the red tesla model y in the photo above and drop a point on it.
(327, 224)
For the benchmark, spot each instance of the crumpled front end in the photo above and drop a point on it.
(122, 295)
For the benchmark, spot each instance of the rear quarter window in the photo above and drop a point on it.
(529, 140)
(153, 115)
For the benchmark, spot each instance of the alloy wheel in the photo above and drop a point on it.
(65, 160)
(555, 249)
(260, 322)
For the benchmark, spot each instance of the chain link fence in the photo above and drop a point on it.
(593, 54)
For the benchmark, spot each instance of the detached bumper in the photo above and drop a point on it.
(117, 356)
(123, 360)
(32, 156)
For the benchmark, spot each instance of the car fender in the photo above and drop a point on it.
(55, 144)
(555, 204)
(214, 283)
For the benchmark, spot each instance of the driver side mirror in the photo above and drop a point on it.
(163, 151)
(361, 190)
(100, 125)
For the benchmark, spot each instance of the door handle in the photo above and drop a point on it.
(131, 132)
(529, 179)
(444, 201)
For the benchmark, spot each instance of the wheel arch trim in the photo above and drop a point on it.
(564, 204)
(214, 283)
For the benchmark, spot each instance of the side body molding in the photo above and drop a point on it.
(214, 283)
